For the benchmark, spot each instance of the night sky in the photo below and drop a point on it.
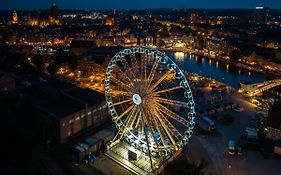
(135, 4)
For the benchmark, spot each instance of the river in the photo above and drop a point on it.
(219, 71)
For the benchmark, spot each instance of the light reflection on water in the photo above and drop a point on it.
(179, 56)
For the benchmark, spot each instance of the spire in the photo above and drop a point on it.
(15, 17)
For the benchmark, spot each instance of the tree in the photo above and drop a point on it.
(162, 43)
(64, 58)
(39, 61)
(182, 166)
(235, 55)
(72, 61)
(164, 33)
(25, 65)
(52, 68)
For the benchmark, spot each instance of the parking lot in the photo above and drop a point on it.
(251, 162)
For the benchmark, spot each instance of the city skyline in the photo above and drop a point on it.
(144, 4)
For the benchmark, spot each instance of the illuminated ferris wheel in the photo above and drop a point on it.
(149, 100)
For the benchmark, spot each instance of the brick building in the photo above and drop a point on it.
(75, 111)
(63, 110)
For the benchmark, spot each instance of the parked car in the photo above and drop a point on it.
(239, 109)
(251, 133)
(239, 150)
(209, 122)
(231, 147)
(92, 158)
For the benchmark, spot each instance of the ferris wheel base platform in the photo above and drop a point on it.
(126, 163)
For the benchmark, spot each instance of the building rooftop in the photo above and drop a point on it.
(106, 132)
(83, 44)
(61, 107)
(100, 54)
(86, 96)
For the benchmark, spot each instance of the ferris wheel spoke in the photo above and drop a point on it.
(133, 59)
(128, 69)
(138, 120)
(130, 119)
(117, 135)
(171, 102)
(173, 115)
(121, 84)
(150, 127)
(146, 136)
(120, 93)
(161, 132)
(135, 65)
(168, 90)
(138, 123)
(124, 127)
(143, 67)
(160, 80)
(123, 75)
(125, 64)
(122, 102)
(126, 111)
(166, 128)
(152, 72)
(170, 127)
(135, 114)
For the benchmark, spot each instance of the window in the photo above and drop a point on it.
(77, 118)
(89, 113)
(63, 124)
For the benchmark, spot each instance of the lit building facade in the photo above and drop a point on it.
(15, 19)
(52, 19)
(261, 15)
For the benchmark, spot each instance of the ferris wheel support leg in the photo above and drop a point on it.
(146, 136)
(112, 144)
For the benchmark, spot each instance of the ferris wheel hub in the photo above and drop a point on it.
(137, 99)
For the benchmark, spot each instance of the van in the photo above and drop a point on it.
(251, 133)
(231, 147)
(210, 122)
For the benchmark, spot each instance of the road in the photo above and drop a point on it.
(196, 152)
